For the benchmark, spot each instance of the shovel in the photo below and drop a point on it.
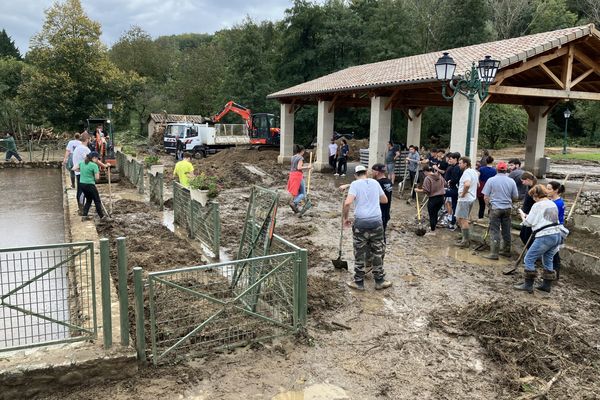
(420, 231)
(110, 202)
(511, 269)
(307, 203)
(339, 263)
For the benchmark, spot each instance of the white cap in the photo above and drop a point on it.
(359, 168)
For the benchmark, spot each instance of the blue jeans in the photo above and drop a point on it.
(10, 154)
(544, 247)
(300, 194)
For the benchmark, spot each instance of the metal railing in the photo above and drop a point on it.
(39, 151)
(131, 169)
(47, 295)
(206, 308)
(202, 222)
(155, 185)
(259, 223)
(399, 165)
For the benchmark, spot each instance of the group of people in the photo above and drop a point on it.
(338, 156)
(84, 162)
(452, 185)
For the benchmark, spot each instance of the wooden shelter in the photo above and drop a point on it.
(536, 71)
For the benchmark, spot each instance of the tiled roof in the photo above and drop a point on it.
(162, 118)
(421, 67)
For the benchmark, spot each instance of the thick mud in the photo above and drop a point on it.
(450, 327)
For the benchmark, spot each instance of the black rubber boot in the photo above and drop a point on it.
(493, 251)
(548, 277)
(527, 286)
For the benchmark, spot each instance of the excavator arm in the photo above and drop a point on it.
(242, 111)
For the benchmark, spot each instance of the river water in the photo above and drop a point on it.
(31, 214)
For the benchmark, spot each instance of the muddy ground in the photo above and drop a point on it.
(450, 327)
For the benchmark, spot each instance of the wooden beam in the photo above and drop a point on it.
(507, 73)
(550, 93)
(551, 105)
(552, 76)
(530, 113)
(405, 112)
(581, 77)
(485, 100)
(581, 56)
(420, 111)
(332, 105)
(567, 71)
(392, 98)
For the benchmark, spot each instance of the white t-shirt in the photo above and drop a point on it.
(469, 174)
(333, 149)
(72, 145)
(543, 213)
(79, 155)
(366, 204)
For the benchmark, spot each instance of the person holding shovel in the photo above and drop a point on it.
(11, 148)
(295, 185)
(89, 173)
(555, 189)
(367, 229)
(467, 194)
(387, 186)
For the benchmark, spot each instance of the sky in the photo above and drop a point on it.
(23, 18)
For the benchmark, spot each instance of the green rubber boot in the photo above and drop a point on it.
(493, 251)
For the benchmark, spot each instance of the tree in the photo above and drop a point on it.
(550, 15)
(502, 123)
(510, 18)
(11, 72)
(467, 22)
(8, 47)
(73, 75)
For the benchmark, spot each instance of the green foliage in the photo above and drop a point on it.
(577, 156)
(550, 15)
(151, 160)
(205, 182)
(466, 23)
(501, 123)
(8, 47)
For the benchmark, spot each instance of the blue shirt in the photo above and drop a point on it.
(502, 190)
(486, 173)
(560, 204)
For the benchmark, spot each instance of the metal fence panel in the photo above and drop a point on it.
(47, 295)
(132, 170)
(202, 222)
(155, 184)
(259, 223)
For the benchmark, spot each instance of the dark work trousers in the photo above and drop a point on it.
(91, 193)
(481, 201)
(412, 175)
(500, 221)
(72, 174)
(342, 165)
(333, 162)
(453, 194)
(434, 205)
(11, 153)
(385, 218)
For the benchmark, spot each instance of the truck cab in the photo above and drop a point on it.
(173, 133)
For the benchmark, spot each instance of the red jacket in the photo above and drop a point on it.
(293, 185)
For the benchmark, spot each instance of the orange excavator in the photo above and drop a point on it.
(262, 127)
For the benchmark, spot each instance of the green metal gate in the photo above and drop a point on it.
(47, 295)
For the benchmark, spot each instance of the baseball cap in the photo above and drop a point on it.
(360, 168)
(378, 167)
(501, 166)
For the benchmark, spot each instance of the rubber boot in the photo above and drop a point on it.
(382, 284)
(356, 285)
(547, 278)
(493, 251)
(527, 286)
(466, 241)
(506, 251)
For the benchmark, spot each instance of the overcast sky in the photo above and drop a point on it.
(23, 18)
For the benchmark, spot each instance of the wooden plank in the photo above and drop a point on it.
(406, 113)
(581, 77)
(567, 71)
(552, 76)
(332, 105)
(581, 56)
(530, 113)
(420, 111)
(551, 105)
(550, 93)
(530, 64)
(485, 100)
(392, 98)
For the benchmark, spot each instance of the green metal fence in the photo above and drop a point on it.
(47, 295)
(155, 185)
(39, 151)
(131, 169)
(259, 223)
(202, 222)
(203, 309)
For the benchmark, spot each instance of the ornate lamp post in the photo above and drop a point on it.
(109, 106)
(567, 115)
(472, 83)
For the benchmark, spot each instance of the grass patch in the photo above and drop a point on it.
(577, 156)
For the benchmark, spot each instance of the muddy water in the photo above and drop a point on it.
(31, 213)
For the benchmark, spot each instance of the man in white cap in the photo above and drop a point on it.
(367, 228)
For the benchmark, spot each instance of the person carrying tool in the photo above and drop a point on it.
(333, 154)
(11, 148)
(89, 173)
(555, 189)
(295, 185)
(499, 192)
(79, 154)
(434, 186)
(467, 191)
(68, 159)
(184, 169)
(367, 229)
(529, 180)
(543, 220)
(387, 187)
(413, 161)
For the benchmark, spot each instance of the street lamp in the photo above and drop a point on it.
(567, 115)
(473, 82)
(109, 106)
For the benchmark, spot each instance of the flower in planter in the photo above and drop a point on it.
(205, 182)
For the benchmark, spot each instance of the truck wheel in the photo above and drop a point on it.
(198, 154)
